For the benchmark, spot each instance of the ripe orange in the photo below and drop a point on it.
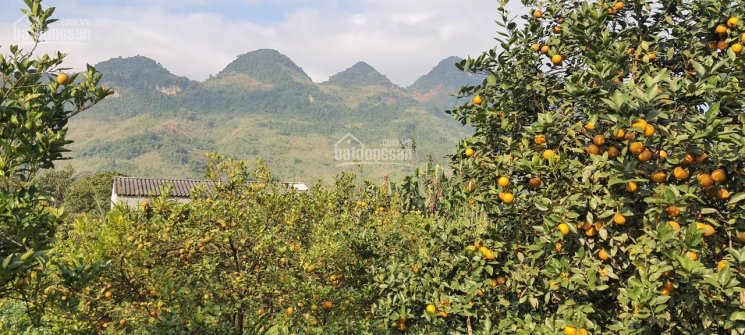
(540, 139)
(431, 309)
(693, 255)
(327, 304)
(570, 330)
(503, 181)
(535, 47)
(593, 149)
(557, 29)
(501, 280)
(659, 177)
(662, 154)
(705, 180)
(674, 224)
(603, 255)
(598, 139)
(736, 48)
(589, 126)
(721, 29)
(63, 79)
(477, 100)
(487, 253)
(108, 295)
(741, 236)
(619, 219)
(545, 49)
(563, 228)
(721, 265)
(636, 148)
(618, 5)
(538, 14)
(549, 155)
(672, 211)
(688, 160)
(535, 182)
(722, 45)
(645, 155)
(583, 332)
(733, 22)
(652, 56)
(590, 231)
(649, 130)
(470, 152)
(681, 173)
(613, 152)
(632, 187)
(620, 134)
(443, 314)
(723, 194)
(718, 175)
(557, 59)
(708, 230)
(640, 124)
(508, 198)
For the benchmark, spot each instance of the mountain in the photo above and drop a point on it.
(262, 69)
(142, 73)
(437, 86)
(360, 74)
(262, 105)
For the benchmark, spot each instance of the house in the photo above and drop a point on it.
(133, 191)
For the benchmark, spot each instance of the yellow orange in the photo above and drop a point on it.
(681, 173)
(470, 152)
(570, 330)
(620, 134)
(535, 47)
(733, 22)
(619, 219)
(721, 29)
(649, 130)
(674, 224)
(549, 155)
(545, 49)
(477, 100)
(598, 139)
(636, 148)
(659, 177)
(563, 228)
(538, 14)
(557, 59)
(639, 124)
(718, 175)
(503, 181)
(632, 187)
(603, 255)
(645, 155)
(705, 180)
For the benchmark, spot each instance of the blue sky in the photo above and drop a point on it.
(403, 39)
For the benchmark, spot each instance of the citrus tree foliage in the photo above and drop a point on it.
(36, 101)
(245, 256)
(608, 157)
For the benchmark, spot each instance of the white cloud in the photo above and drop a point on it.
(402, 39)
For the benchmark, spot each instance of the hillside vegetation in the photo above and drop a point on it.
(261, 105)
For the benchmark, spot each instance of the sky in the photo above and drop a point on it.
(402, 39)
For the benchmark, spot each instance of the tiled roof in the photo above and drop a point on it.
(145, 187)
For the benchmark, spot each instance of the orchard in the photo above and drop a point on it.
(603, 192)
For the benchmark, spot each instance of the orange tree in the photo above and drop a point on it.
(36, 100)
(608, 159)
(246, 256)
